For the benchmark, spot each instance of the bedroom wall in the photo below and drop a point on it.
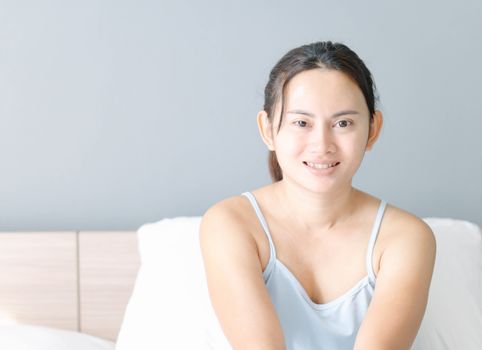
(117, 113)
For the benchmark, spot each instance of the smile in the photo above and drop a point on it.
(321, 166)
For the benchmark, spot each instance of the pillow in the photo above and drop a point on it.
(29, 337)
(453, 317)
(170, 306)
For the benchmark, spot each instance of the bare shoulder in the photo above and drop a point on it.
(227, 212)
(233, 272)
(406, 226)
(409, 233)
(403, 283)
(224, 224)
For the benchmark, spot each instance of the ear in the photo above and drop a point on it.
(375, 128)
(265, 129)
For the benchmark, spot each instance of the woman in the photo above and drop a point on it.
(309, 261)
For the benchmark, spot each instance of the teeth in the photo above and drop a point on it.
(320, 166)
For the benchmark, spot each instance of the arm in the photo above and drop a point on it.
(401, 293)
(235, 282)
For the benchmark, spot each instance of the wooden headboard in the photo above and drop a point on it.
(71, 280)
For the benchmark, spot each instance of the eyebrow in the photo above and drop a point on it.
(311, 115)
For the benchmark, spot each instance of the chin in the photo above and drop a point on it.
(320, 187)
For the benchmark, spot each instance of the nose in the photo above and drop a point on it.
(322, 140)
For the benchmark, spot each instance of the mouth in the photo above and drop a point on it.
(321, 165)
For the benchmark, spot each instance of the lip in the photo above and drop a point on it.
(322, 162)
(326, 171)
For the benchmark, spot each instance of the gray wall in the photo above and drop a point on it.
(117, 113)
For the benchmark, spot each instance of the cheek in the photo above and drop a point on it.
(290, 144)
(360, 139)
(355, 146)
(288, 149)
(358, 152)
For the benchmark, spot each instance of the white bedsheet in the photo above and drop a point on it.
(29, 337)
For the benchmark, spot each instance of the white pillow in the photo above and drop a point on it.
(170, 306)
(453, 318)
(29, 337)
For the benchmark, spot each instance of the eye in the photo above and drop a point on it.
(343, 123)
(301, 123)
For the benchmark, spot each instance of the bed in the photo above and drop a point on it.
(146, 289)
(74, 281)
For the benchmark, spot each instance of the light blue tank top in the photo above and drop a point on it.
(307, 325)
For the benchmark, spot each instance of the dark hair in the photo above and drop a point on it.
(324, 54)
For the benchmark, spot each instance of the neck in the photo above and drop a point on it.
(316, 213)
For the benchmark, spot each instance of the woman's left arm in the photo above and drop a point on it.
(401, 292)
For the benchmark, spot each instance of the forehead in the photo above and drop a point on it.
(323, 90)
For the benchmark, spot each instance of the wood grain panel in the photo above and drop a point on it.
(38, 279)
(109, 262)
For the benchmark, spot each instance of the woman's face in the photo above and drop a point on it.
(326, 122)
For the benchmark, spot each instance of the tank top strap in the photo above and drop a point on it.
(373, 238)
(262, 220)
